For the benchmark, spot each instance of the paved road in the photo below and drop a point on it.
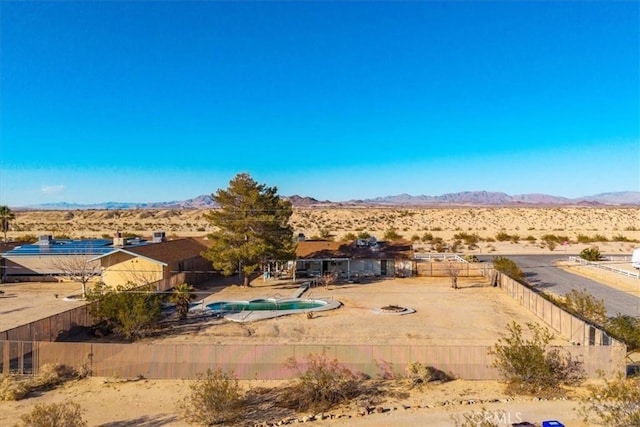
(540, 272)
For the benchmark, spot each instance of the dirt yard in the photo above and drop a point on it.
(475, 313)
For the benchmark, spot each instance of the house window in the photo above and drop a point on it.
(368, 265)
(181, 266)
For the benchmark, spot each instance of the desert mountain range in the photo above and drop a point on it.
(474, 198)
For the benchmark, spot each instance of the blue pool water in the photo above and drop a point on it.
(264, 305)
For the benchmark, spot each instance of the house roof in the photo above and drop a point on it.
(167, 252)
(321, 249)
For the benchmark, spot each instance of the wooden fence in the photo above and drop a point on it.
(268, 362)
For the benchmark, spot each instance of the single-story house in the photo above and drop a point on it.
(48, 258)
(150, 263)
(349, 260)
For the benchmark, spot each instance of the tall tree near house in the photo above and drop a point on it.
(78, 268)
(6, 216)
(252, 226)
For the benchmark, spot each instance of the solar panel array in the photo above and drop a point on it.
(69, 247)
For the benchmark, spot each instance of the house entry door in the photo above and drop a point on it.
(383, 267)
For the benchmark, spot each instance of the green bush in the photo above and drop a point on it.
(508, 267)
(67, 414)
(626, 329)
(503, 237)
(215, 398)
(591, 254)
(127, 310)
(532, 365)
(392, 234)
(585, 306)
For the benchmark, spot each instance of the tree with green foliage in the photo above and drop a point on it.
(126, 310)
(181, 296)
(252, 227)
(591, 254)
(625, 328)
(508, 267)
(532, 365)
(585, 306)
(6, 216)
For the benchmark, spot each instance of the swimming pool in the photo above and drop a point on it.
(265, 305)
(266, 308)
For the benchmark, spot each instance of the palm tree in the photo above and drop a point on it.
(6, 216)
(182, 297)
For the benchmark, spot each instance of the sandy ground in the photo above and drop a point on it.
(116, 402)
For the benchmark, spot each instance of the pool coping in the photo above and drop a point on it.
(253, 315)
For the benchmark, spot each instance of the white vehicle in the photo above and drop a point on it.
(635, 258)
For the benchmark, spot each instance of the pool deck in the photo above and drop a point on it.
(253, 315)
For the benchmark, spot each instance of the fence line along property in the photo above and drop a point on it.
(607, 267)
(26, 348)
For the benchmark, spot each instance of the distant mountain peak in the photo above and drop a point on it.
(469, 198)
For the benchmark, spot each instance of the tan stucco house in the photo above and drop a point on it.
(156, 261)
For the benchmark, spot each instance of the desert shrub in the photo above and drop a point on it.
(419, 374)
(591, 254)
(625, 328)
(13, 387)
(614, 404)
(127, 310)
(51, 375)
(532, 365)
(621, 238)
(363, 235)
(215, 398)
(349, 237)
(322, 384)
(27, 238)
(67, 414)
(392, 234)
(502, 237)
(530, 238)
(583, 238)
(586, 306)
(427, 237)
(508, 267)
(469, 239)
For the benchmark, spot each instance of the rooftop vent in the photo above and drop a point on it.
(158, 236)
(301, 237)
(45, 240)
(118, 240)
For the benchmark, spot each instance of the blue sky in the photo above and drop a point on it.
(157, 101)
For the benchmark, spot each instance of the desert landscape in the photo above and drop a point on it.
(475, 313)
(615, 228)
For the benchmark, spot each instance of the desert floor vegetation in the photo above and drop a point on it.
(477, 228)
